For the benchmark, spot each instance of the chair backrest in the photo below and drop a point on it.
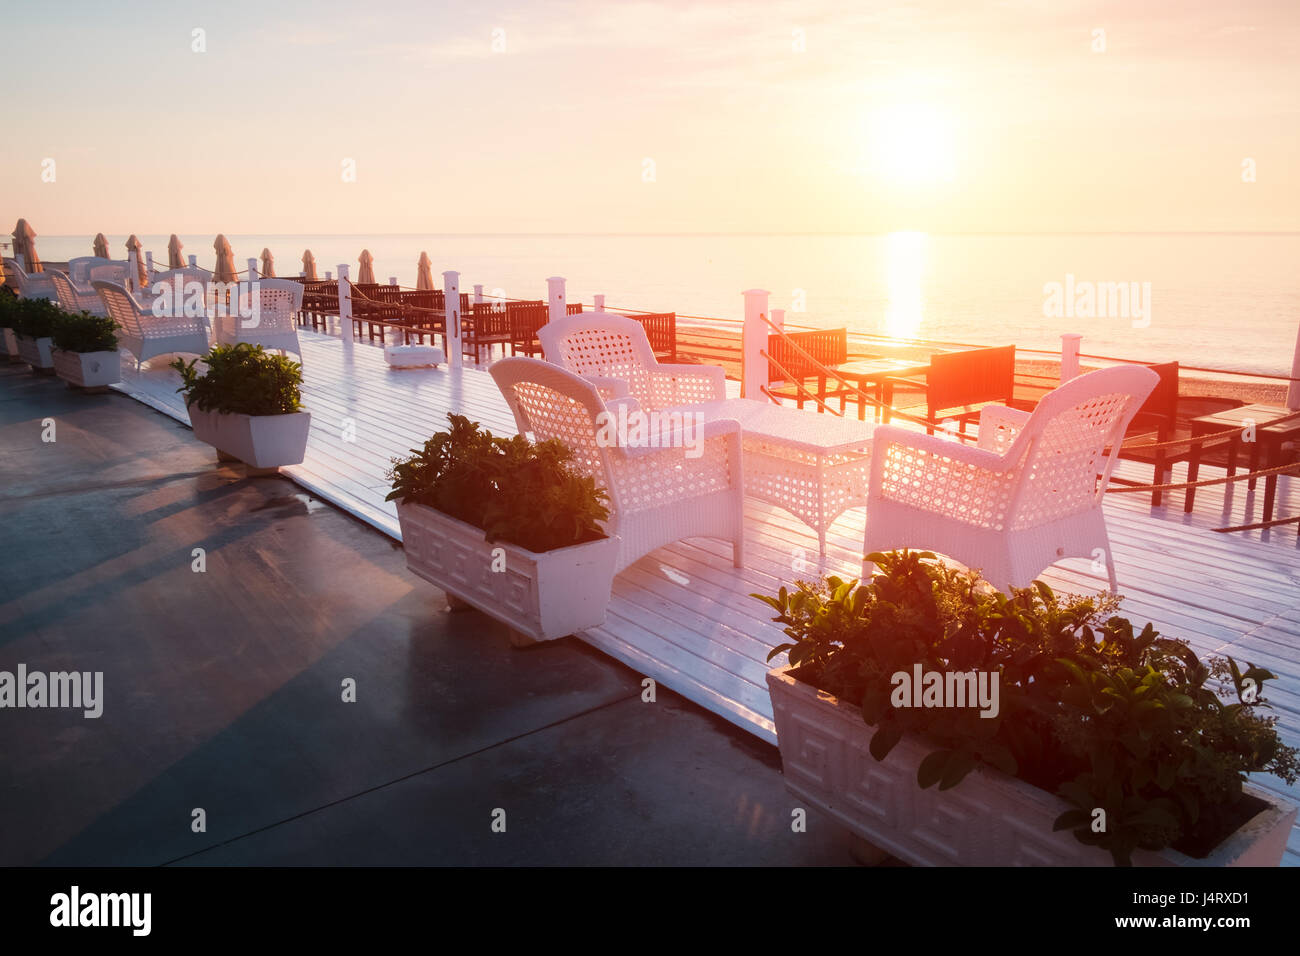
(66, 294)
(970, 377)
(78, 268)
(1160, 410)
(14, 275)
(121, 305)
(1064, 442)
(829, 347)
(604, 344)
(551, 402)
(661, 332)
(485, 319)
(106, 270)
(279, 301)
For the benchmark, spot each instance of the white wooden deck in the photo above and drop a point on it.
(683, 614)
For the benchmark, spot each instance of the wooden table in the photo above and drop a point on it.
(874, 372)
(1265, 450)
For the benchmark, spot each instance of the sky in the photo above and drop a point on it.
(824, 116)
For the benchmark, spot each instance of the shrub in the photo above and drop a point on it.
(517, 491)
(8, 308)
(242, 379)
(35, 318)
(83, 332)
(1089, 708)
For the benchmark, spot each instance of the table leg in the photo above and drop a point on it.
(1193, 471)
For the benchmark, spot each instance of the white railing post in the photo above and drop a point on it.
(555, 298)
(132, 271)
(1069, 355)
(478, 293)
(329, 276)
(252, 270)
(600, 302)
(1293, 393)
(392, 280)
(451, 312)
(148, 265)
(778, 318)
(345, 309)
(753, 367)
(194, 262)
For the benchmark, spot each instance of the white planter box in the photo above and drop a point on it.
(263, 441)
(88, 369)
(989, 819)
(36, 352)
(10, 345)
(544, 596)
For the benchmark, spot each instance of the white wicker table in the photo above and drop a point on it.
(814, 466)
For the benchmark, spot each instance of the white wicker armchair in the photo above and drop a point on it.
(1027, 496)
(657, 494)
(28, 285)
(85, 269)
(275, 327)
(605, 348)
(74, 299)
(145, 334)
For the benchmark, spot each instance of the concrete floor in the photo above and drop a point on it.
(223, 689)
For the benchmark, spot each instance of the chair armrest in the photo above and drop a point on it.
(677, 439)
(999, 426)
(609, 388)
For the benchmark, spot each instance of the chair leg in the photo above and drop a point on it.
(1110, 570)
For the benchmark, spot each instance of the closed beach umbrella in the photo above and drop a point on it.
(174, 258)
(367, 273)
(268, 264)
(100, 247)
(225, 271)
(133, 245)
(424, 279)
(309, 265)
(25, 242)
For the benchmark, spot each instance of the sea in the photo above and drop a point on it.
(1217, 300)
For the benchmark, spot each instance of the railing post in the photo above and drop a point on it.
(555, 298)
(328, 275)
(132, 272)
(252, 270)
(392, 280)
(753, 367)
(600, 302)
(148, 265)
(1069, 355)
(478, 293)
(451, 310)
(1293, 393)
(345, 310)
(194, 262)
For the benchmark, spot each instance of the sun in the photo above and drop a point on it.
(910, 144)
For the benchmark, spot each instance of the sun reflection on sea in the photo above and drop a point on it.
(905, 261)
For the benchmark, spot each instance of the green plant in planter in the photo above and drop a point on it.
(517, 491)
(35, 318)
(8, 308)
(83, 332)
(242, 379)
(1104, 715)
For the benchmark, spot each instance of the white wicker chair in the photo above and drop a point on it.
(187, 275)
(146, 335)
(604, 347)
(279, 302)
(657, 495)
(74, 299)
(84, 269)
(1026, 497)
(29, 285)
